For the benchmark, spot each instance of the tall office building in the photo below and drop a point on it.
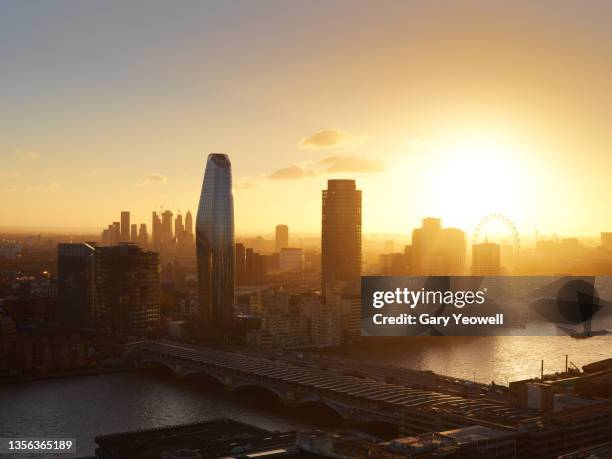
(291, 259)
(606, 240)
(426, 248)
(437, 251)
(116, 233)
(105, 237)
(282, 237)
(486, 259)
(215, 247)
(75, 284)
(134, 233)
(125, 226)
(188, 223)
(255, 268)
(341, 235)
(166, 226)
(178, 228)
(127, 289)
(454, 246)
(240, 264)
(156, 228)
(143, 237)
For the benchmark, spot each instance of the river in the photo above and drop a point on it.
(86, 406)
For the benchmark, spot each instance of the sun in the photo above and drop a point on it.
(473, 177)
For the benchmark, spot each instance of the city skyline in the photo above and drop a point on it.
(117, 107)
(341, 228)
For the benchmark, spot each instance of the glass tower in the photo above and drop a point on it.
(215, 246)
(341, 236)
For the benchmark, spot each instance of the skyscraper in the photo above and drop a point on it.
(341, 235)
(178, 228)
(240, 264)
(486, 260)
(215, 246)
(156, 228)
(116, 233)
(291, 259)
(134, 233)
(282, 237)
(127, 295)
(437, 251)
(75, 284)
(188, 223)
(125, 226)
(143, 237)
(166, 226)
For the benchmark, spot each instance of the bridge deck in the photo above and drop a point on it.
(398, 398)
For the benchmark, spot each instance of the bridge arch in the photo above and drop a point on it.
(184, 371)
(249, 385)
(312, 401)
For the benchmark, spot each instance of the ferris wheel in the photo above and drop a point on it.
(499, 218)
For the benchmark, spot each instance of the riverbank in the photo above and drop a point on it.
(68, 374)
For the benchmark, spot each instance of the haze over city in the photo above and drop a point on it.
(457, 112)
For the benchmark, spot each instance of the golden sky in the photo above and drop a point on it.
(449, 109)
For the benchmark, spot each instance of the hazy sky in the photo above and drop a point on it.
(451, 109)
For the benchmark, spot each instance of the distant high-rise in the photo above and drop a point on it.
(291, 259)
(606, 240)
(116, 233)
(188, 223)
(143, 237)
(125, 226)
(255, 267)
(75, 284)
(486, 259)
(437, 251)
(156, 227)
(134, 233)
(215, 246)
(454, 247)
(178, 228)
(166, 226)
(282, 237)
(341, 235)
(240, 264)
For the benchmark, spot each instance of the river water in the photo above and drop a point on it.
(87, 406)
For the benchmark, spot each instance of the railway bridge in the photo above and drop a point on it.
(353, 398)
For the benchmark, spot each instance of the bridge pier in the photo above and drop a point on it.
(289, 399)
(178, 372)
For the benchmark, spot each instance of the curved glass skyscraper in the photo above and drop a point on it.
(215, 246)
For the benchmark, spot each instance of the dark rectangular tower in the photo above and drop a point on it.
(341, 235)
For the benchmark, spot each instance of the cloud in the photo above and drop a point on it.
(28, 156)
(290, 173)
(154, 178)
(245, 185)
(331, 164)
(5, 173)
(352, 164)
(97, 171)
(330, 138)
(51, 186)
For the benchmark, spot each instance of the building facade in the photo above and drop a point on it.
(281, 240)
(75, 284)
(486, 259)
(215, 246)
(127, 290)
(341, 235)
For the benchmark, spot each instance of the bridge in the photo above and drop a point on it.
(356, 399)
